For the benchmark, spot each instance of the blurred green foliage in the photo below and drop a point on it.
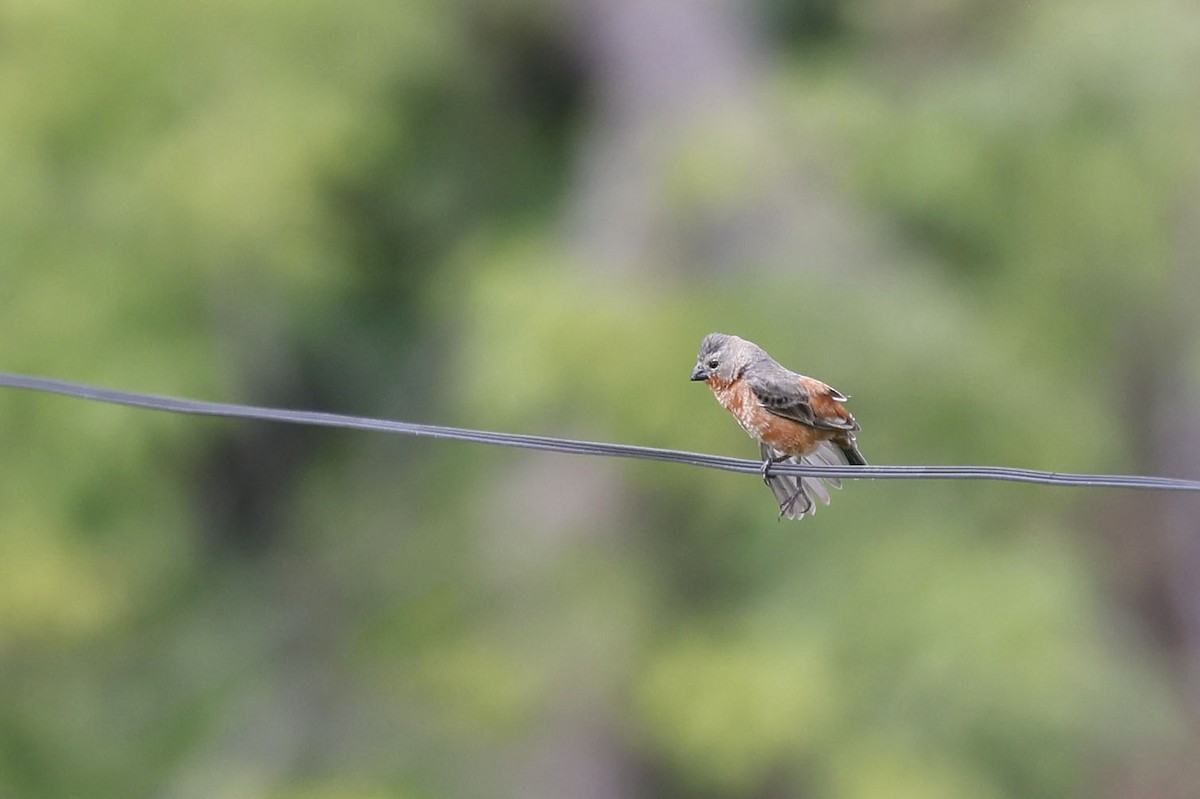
(364, 207)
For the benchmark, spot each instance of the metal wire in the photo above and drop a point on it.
(575, 447)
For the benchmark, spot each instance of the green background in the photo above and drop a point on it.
(980, 219)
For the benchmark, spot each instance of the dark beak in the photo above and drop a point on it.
(699, 373)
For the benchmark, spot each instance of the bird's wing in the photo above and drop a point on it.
(802, 399)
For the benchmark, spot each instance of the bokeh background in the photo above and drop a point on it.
(981, 219)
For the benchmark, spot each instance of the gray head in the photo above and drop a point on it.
(724, 356)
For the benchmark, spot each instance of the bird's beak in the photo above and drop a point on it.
(699, 373)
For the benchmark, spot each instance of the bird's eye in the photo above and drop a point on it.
(712, 364)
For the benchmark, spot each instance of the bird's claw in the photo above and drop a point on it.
(787, 507)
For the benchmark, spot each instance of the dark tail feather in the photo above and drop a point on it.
(849, 448)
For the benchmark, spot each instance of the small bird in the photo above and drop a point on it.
(794, 418)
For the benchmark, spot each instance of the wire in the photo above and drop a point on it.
(574, 447)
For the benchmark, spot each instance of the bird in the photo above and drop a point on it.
(794, 418)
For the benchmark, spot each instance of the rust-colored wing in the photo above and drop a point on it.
(802, 399)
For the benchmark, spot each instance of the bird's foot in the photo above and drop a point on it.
(767, 464)
(788, 506)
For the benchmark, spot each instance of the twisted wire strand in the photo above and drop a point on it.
(576, 447)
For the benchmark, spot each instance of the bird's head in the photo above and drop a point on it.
(722, 356)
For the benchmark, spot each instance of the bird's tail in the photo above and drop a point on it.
(795, 495)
